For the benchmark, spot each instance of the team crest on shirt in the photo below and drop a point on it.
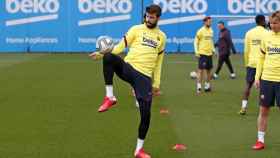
(158, 38)
(256, 42)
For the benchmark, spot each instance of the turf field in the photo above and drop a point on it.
(49, 110)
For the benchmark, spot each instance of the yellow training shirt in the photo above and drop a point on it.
(146, 50)
(269, 61)
(252, 44)
(203, 42)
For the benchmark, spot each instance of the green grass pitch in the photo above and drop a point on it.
(49, 108)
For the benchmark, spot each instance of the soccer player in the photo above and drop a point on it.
(225, 45)
(204, 49)
(268, 77)
(146, 43)
(252, 43)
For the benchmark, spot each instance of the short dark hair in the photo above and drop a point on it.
(206, 18)
(260, 19)
(154, 9)
(221, 22)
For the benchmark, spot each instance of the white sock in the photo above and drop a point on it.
(215, 75)
(139, 145)
(207, 85)
(109, 91)
(244, 104)
(261, 136)
(198, 85)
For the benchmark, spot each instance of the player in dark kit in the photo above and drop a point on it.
(225, 46)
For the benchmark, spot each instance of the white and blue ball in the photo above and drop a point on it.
(104, 44)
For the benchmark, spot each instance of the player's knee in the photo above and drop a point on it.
(145, 97)
(108, 58)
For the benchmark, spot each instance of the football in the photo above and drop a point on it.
(104, 44)
(193, 75)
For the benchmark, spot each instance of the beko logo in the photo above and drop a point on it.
(121, 7)
(49, 9)
(195, 7)
(105, 6)
(183, 6)
(32, 6)
(253, 6)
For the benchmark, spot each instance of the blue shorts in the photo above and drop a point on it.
(141, 83)
(250, 75)
(205, 62)
(269, 93)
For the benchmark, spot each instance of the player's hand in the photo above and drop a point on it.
(156, 91)
(257, 84)
(197, 55)
(95, 55)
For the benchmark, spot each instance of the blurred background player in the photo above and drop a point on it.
(204, 49)
(146, 43)
(268, 76)
(225, 46)
(252, 43)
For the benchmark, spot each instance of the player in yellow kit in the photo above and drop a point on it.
(252, 44)
(204, 49)
(268, 76)
(146, 43)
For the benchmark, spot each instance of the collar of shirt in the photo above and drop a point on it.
(207, 28)
(276, 33)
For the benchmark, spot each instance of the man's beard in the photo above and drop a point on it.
(150, 25)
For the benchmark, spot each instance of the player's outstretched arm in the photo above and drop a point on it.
(125, 42)
(95, 55)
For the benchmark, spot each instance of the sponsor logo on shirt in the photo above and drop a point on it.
(149, 42)
(273, 50)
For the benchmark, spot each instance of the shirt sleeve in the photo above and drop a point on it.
(158, 67)
(196, 42)
(125, 42)
(246, 49)
(260, 61)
